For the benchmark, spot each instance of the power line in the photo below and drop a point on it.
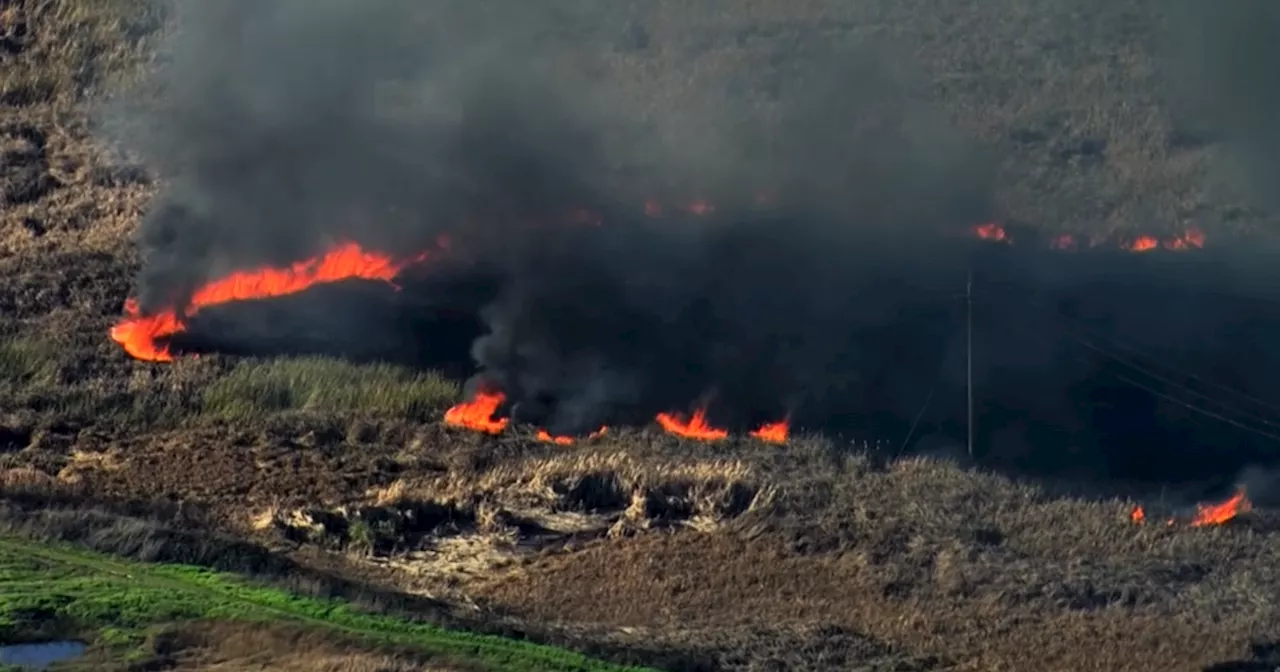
(1163, 395)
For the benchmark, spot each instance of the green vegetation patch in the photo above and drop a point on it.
(28, 361)
(327, 385)
(94, 596)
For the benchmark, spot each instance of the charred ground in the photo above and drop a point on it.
(730, 555)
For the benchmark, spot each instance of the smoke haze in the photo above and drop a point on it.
(286, 126)
(1225, 62)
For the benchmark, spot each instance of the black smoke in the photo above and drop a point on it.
(828, 260)
(588, 280)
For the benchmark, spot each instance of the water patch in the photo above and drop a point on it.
(40, 655)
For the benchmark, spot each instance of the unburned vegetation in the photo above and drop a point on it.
(319, 478)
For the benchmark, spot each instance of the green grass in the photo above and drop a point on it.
(34, 374)
(254, 389)
(28, 361)
(44, 587)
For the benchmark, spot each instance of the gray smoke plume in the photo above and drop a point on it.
(282, 126)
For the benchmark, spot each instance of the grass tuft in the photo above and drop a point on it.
(254, 389)
(28, 362)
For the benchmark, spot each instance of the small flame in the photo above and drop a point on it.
(696, 428)
(476, 413)
(138, 333)
(990, 231)
(1206, 514)
(1137, 515)
(1193, 238)
(1142, 244)
(546, 437)
(772, 432)
(1217, 514)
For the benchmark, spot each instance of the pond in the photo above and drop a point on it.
(39, 655)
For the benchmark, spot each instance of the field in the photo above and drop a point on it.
(318, 480)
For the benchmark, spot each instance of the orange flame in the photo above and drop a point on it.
(696, 428)
(138, 333)
(1206, 514)
(1217, 514)
(1142, 244)
(990, 231)
(546, 437)
(476, 413)
(772, 432)
(1192, 238)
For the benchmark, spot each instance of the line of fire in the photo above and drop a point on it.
(1057, 355)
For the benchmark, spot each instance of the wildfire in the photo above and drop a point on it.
(990, 231)
(1206, 514)
(138, 333)
(1217, 514)
(476, 413)
(1137, 515)
(545, 437)
(1142, 244)
(1191, 239)
(696, 427)
(772, 432)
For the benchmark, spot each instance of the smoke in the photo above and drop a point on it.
(281, 127)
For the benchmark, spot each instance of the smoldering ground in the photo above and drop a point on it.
(285, 126)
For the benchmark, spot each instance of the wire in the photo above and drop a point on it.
(1163, 395)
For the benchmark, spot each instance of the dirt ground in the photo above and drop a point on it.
(738, 555)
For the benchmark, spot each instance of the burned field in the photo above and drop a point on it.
(665, 359)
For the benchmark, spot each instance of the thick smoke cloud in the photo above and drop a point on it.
(826, 267)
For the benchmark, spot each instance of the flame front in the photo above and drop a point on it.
(1206, 514)
(138, 333)
(772, 432)
(476, 413)
(1192, 238)
(696, 428)
(545, 437)
(1217, 514)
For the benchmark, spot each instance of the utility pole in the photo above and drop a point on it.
(968, 305)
